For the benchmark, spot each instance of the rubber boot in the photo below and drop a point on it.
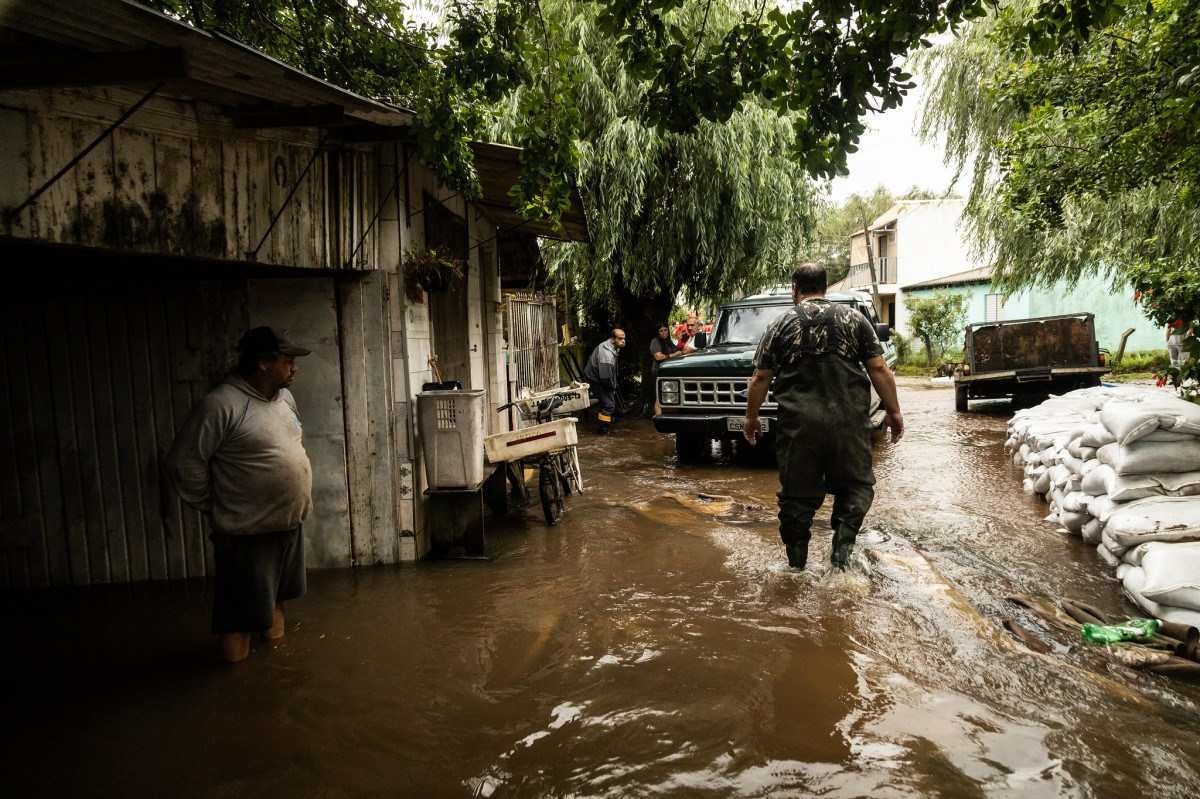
(797, 554)
(605, 420)
(843, 546)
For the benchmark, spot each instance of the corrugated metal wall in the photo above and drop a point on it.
(94, 380)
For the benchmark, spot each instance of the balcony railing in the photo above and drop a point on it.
(860, 274)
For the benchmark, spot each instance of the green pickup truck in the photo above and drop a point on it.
(703, 396)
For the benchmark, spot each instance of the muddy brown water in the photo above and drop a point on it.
(651, 644)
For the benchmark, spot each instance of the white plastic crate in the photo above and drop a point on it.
(531, 441)
(451, 424)
(580, 400)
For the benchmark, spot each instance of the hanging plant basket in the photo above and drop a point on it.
(429, 270)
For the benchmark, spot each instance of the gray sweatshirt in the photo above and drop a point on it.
(239, 457)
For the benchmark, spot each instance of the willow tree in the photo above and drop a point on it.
(722, 209)
(1086, 159)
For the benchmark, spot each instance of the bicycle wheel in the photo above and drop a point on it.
(550, 488)
(566, 474)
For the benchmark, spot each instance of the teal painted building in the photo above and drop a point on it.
(1115, 311)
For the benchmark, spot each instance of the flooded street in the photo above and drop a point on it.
(652, 644)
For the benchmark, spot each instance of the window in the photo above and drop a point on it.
(993, 308)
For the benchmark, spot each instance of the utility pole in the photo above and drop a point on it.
(870, 258)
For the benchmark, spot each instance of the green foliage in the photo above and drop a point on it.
(937, 321)
(822, 64)
(704, 215)
(835, 224)
(1087, 158)
(903, 347)
(1138, 362)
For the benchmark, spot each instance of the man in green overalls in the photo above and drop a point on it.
(824, 357)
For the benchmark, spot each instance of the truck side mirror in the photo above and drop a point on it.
(883, 331)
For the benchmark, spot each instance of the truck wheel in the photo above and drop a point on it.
(960, 399)
(692, 446)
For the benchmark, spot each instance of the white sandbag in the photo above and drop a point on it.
(1096, 481)
(1138, 486)
(1151, 457)
(1155, 519)
(1092, 530)
(1055, 498)
(1018, 459)
(1041, 483)
(1075, 502)
(1133, 580)
(1102, 507)
(1073, 521)
(1167, 435)
(1110, 542)
(1096, 436)
(1130, 421)
(1027, 485)
(1089, 464)
(1087, 453)
(1075, 446)
(1072, 463)
(1172, 574)
(1109, 558)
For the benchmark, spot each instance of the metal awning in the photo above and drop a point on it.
(39, 36)
(499, 167)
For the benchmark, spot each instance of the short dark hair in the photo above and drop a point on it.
(809, 278)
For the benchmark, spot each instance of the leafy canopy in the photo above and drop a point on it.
(1086, 159)
(937, 321)
(709, 213)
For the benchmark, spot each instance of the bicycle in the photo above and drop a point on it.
(559, 475)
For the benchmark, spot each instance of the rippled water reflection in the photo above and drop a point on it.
(652, 644)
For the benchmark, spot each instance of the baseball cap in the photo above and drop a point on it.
(268, 341)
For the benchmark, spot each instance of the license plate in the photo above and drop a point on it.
(735, 424)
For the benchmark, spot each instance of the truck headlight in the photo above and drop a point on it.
(668, 392)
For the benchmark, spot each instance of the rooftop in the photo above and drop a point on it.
(982, 274)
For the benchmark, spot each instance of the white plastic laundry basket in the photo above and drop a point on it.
(451, 425)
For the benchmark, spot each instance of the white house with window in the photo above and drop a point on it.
(913, 241)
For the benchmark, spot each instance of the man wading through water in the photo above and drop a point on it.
(240, 459)
(824, 358)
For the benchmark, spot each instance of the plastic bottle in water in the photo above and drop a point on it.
(1131, 630)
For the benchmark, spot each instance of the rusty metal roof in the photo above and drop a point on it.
(218, 68)
(225, 71)
(499, 167)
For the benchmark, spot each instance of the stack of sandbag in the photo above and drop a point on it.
(1146, 446)
(1120, 467)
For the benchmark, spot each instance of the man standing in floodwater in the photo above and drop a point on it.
(240, 459)
(601, 373)
(824, 357)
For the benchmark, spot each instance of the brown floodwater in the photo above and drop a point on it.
(651, 644)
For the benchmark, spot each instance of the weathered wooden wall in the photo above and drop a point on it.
(178, 179)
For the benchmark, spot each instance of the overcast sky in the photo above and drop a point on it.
(891, 154)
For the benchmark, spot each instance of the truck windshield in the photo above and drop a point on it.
(747, 324)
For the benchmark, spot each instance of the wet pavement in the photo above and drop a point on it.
(651, 644)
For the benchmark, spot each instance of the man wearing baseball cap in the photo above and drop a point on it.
(239, 458)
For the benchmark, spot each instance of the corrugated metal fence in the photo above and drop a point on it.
(92, 387)
(533, 341)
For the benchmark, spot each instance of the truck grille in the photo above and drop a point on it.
(720, 393)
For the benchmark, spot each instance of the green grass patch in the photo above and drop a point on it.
(914, 370)
(1130, 377)
(1141, 362)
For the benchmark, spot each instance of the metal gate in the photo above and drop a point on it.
(533, 341)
